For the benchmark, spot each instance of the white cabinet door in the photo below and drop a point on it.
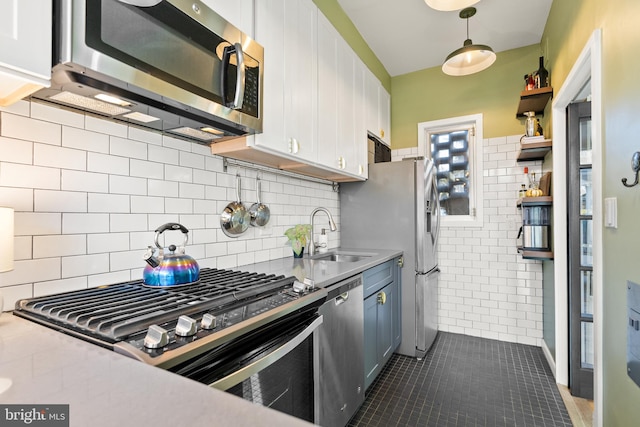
(346, 149)
(360, 127)
(384, 114)
(287, 31)
(25, 48)
(371, 100)
(237, 12)
(328, 83)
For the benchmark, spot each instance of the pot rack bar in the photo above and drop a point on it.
(226, 162)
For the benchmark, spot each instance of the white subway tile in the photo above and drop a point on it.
(12, 294)
(109, 203)
(21, 108)
(127, 185)
(84, 265)
(83, 223)
(109, 278)
(145, 169)
(107, 242)
(191, 160)
(20, 199)
(214, 164)
(22, 247)
(29, 271)
(178, 173)
(126, 260)
(58, 246)
(105, 163)
(20, 127)
(58, 115)
(163, 155)
(85, 140)
(199, 206)
(146, 204)
(127, 148)
(191, 191)
(192, 222)
(60, 157)
(59, 201)
(24, 176)
(16, 151)
(84, 181)
(57, 286)
(128, 222)
(143, 239)
(162, 188)
(143, 135)
(105, 126)
(176, 143)
(209, 178)
(178, 206)
(28, 223)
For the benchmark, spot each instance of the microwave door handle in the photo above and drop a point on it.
(238, 99)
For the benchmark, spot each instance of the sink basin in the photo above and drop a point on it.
(337, 257)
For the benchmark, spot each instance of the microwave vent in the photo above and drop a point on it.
(88, 103)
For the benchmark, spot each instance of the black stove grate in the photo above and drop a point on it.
(115, 312)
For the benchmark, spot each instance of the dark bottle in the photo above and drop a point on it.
(542, 75)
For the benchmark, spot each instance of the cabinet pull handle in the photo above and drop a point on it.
(342, 298)
(294, 146)
(401, 262)
(382, 298)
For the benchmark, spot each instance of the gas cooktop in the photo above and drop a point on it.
(158, 324)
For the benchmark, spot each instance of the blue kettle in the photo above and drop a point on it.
(170, 269)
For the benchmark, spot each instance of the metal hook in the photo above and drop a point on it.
(635, 167)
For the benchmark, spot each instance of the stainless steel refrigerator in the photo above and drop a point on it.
(397, 208)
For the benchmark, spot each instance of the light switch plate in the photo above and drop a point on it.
(611, 212)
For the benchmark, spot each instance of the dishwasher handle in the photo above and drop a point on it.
(242, 374)
(342, 298)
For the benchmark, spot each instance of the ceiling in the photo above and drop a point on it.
(407, 35)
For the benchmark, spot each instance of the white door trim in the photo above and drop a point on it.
(587, 68)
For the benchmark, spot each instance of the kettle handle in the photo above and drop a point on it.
(171, 226)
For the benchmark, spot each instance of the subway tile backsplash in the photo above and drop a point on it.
(88, 194)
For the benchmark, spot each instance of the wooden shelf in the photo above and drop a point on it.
(534, 100)
(532, 201)
(534, 150)
(539, 255)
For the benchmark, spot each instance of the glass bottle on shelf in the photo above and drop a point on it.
(542, 75)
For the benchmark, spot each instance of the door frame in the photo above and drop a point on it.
(588, 67)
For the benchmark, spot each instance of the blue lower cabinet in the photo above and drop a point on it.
(381, 318)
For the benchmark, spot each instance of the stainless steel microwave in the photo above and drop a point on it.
(170, 65)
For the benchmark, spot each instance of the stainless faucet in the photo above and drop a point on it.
(332, 227)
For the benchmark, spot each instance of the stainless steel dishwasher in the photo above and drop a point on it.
(340, 349)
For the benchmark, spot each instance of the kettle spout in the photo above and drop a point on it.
(149, 258)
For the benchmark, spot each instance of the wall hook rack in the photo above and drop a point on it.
(635, 167)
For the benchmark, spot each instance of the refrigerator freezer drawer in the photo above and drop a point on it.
(426, 310)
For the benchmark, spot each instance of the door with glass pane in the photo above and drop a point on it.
(580, 244)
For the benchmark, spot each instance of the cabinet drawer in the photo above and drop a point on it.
(378, 277)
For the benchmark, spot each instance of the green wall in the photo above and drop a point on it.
(569, 26)
(431, 95)
(334, 12)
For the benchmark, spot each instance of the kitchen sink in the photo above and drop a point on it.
(340, 257)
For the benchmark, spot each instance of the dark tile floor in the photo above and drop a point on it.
(465, 381)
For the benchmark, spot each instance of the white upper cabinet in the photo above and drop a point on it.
(287, 30)
(237, 12)
(378, 108)
(25, 48)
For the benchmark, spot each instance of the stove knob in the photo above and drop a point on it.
(209, 321)
(186, 326)
(156, 337)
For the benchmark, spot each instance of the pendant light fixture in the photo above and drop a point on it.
(470, 58)
(449, 5)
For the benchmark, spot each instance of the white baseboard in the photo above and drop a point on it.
(550, 360)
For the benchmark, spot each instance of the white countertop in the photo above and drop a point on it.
(103, 388)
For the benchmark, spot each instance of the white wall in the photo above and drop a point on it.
(88, 194)
(486, 289)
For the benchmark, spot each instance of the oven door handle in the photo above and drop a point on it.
(242, 374)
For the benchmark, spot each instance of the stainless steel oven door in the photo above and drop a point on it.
(272, 366)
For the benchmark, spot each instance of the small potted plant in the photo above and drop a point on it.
(298, 236)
